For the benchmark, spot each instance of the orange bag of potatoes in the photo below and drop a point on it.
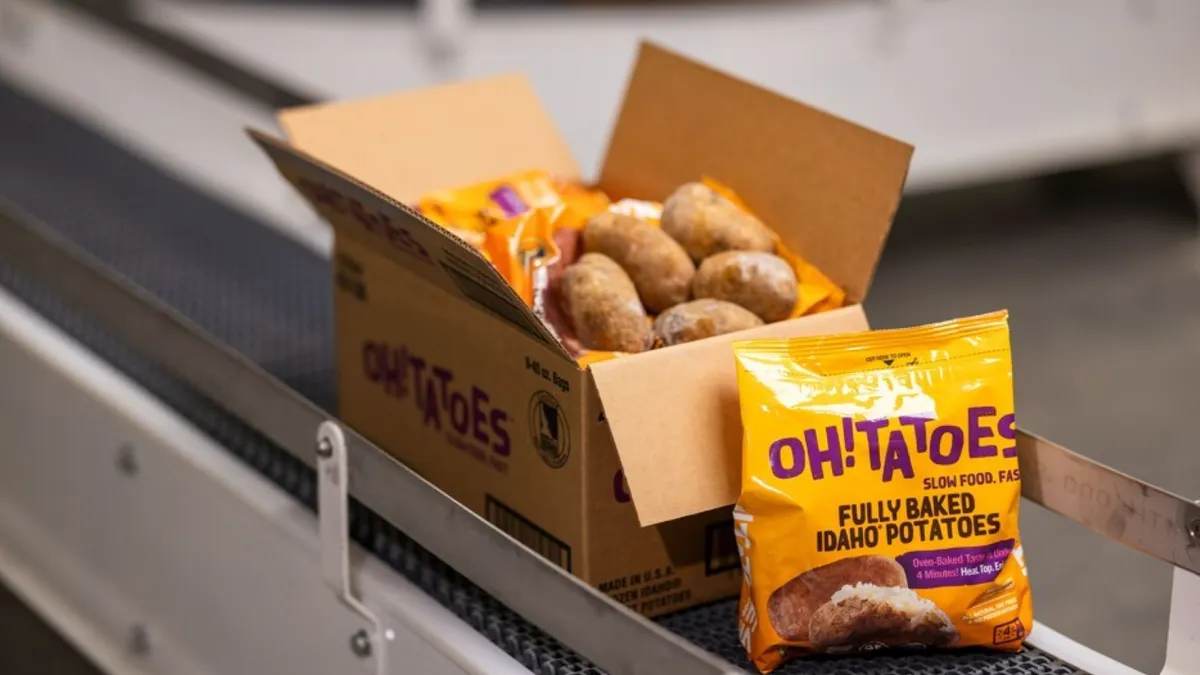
(470, 210)
(880, 492)
(524, 249)
(531, 251)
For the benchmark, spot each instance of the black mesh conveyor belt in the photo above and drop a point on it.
(271, 299)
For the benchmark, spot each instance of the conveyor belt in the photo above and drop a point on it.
(271, 299)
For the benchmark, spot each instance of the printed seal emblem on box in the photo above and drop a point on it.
(548, 429)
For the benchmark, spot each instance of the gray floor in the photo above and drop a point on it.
(1102, 276)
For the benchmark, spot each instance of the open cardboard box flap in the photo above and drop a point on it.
(391, 150)
(356, 209)
(829, 187)
(411, 143)
(674, 416)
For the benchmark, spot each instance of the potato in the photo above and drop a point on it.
(761, 282)
(706, 223)
(603, 305)
(700, 319)
(659, 267)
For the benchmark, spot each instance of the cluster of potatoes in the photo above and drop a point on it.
(710, 268)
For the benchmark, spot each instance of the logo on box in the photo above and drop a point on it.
(548, 429)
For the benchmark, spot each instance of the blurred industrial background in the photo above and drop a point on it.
(1055, 175)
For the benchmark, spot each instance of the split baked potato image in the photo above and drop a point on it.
(881, 616)
(856, 602)
(791, 607)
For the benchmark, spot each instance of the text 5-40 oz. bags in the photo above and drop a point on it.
(880, 491)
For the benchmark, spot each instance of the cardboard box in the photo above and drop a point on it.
(621, 473)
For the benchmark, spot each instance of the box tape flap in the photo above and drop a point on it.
(404, 237)
(411, 143)
(829, 187)
(676, 421)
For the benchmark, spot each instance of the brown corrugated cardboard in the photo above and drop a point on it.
(442, 364)
(365, 215)
(829, 187)
(411, 143)
(675, 417)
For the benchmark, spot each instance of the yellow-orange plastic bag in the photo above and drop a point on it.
(471, 210)
(523, 248)
(880, 492)
(530, 251)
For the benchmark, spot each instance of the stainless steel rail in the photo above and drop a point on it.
(1114, 504)
(606, 633)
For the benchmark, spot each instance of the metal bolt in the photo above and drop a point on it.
(139, 640)
(324, 448)
(1193, 528)
(127, 461)
(360, 644)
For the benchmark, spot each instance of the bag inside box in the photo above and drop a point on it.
(829, 188)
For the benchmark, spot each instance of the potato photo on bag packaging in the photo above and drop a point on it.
(792, 605)
(880, 493)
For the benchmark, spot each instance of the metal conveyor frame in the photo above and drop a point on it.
(566, 609)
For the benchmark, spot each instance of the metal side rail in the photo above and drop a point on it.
(152, 549)
(604, 632)
(209, 263)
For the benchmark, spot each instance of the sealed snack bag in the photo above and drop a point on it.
(880, 491)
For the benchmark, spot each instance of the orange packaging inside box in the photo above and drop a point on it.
(620, 470)
(528, 225)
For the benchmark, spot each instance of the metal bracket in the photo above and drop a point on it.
(1183, 627)
(1183, 631)
(333, 516)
